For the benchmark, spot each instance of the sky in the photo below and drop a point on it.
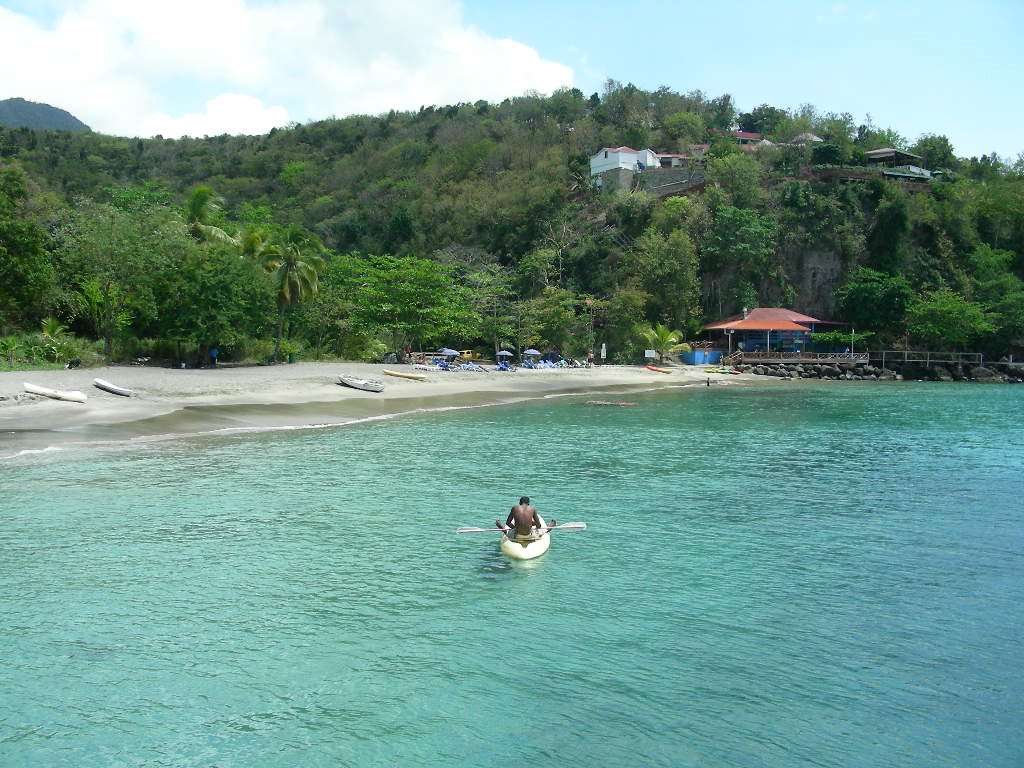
(208, 67)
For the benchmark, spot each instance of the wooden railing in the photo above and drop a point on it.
(903, 356)
(810, 357)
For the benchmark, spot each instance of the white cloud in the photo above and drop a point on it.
(205, 67)
(232, 113)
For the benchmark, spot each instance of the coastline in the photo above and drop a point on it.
(173, 402)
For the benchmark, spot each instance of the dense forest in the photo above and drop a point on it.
(478, 225)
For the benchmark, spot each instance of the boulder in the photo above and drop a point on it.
(982, 373)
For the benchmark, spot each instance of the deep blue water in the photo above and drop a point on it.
(805, 575)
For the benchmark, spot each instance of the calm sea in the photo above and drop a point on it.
(803, 575)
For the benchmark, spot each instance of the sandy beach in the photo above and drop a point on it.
(169, 401)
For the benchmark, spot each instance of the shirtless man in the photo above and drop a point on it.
(523, 518)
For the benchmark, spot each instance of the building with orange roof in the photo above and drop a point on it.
(768, 328)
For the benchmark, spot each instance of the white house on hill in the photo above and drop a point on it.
(609, 159)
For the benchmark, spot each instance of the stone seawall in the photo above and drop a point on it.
(848, 371)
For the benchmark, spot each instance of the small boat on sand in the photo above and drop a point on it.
(404, 375)
(106, 386)
(72, 396)
(657, 369)
(368, 385)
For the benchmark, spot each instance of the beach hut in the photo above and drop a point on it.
(765, 328)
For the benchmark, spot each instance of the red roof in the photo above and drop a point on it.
(757, 325)
(766, 319)
(746, 135)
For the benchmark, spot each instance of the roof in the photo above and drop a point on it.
(621, 150)
(765, 319)
(757, 325)
(746, 135)
(889, 152)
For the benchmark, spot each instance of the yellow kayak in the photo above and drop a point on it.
(403, 375)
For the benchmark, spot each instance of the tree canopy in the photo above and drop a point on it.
(480, 224)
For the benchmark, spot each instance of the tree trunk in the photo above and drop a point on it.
(280, 331)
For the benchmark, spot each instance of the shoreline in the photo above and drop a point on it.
(168, 402)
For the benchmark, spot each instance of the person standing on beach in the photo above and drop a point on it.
(213, 356)
(524, 519)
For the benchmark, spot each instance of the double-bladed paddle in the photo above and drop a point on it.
(559, 527)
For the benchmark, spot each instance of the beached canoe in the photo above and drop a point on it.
(403, 375)
(525, 550)
(113, 389)
(657, 369)
(368, 385)
(72, 396)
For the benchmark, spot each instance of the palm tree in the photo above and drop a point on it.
(294, 264)
(662, 340)
(55, 337)
(256, 244)
(201, 207)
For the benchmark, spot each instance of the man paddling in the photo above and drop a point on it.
(524, 519)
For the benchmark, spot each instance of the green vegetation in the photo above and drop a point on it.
(478, 225)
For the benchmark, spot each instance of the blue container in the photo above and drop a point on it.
(701, 357)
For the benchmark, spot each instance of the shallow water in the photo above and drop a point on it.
(814, 575)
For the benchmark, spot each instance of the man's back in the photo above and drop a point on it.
(524, 518)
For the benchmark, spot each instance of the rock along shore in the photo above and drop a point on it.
(857, 371)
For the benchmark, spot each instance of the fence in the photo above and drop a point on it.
(892, 357)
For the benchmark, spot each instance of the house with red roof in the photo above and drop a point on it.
(764, 329)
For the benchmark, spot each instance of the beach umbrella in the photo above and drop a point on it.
(531, 352)
(504, 353)
(448, 352)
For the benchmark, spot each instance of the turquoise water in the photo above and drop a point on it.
(813, 576)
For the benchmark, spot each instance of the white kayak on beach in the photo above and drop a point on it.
(72, 396)
(368, 385)
(114, 389)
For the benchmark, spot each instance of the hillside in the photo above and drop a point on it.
(499, 198)
(19, 113)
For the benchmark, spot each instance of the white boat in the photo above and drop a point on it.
(106, 386)
(529, 548)
(517, 549)
(72, 396)
(369, 385)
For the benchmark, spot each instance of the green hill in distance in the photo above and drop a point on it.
(19, 113)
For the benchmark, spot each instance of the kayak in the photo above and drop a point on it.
(403, 375)
(525, 550)
(113, 389)
(369, 385)
(656, 369)
(72, 396)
